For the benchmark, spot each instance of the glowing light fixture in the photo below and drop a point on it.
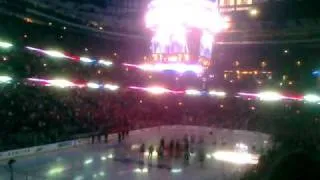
(247, 94)
(157, 90)
(5, 45)
(33, 49)
(254, 12)
(217, 93)
(86, 60)
(180, 68)
(270, 96)
(93, 85)
(55, 54)
(313, 98)
(38, 80)
(105, 63)
(193, 92)
(111, 87)
(62, 83)
(5, 79)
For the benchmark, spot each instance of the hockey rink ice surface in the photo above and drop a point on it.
(123, 160)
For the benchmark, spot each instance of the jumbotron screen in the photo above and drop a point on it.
(183, 30)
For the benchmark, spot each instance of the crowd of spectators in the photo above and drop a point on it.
(33, 115)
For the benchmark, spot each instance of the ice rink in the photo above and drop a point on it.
(123, 160)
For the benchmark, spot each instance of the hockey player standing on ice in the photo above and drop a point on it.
(201, 151)
(141, 152)
(178, 150)
(151, 148)
(186, 149)
(161, 148)
(171, 147)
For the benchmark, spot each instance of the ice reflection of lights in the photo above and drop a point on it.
(208, 156)
(101, 173)
(236, 157)
(137, 170)
(241, 147)
(103, 158)
(176, 170)
(88, 161)
(154, 154)
(254, 12)
(141, 170)
(135, 146)
(110, 156)
(79, 178)
(56, 170)
(145, 170)
(193, 92)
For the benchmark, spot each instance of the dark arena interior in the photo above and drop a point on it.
(159, 89)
